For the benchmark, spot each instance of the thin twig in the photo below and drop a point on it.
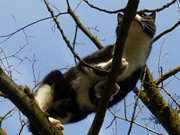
(6, 65)
(22, 127)
(8, 36)
(134, 122)
(6, 115)
(166, 32)
(133, 116)
(35, 80)
(167, 5)
(74, 42)
(88, 33)
(167, 75)
(125, 108)
(69, 44)
(171, 97)
(103, 10)
(15, 53)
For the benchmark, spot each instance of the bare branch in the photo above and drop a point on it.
(167, 75)
(161, 8)
(68, 42)
(103, 10)
(22, 127)
(14, 55)
(171, 97)
(134, 122)
(8, 36)
(6, 115)
(129, 14)
(74, 42)
(2, 132)
(166, 32)
(83, 28)
(133, 116)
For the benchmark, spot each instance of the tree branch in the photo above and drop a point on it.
(8, 36)
(26, 104)
(129, 15)
(68, 42)
(167, 75)
(167, 5)
(2, 132)
(83, 28)
(166, 32)
(133, 116)
(152, 98)
(102, 10)
(134, 122)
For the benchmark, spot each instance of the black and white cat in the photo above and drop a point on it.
(71, 96)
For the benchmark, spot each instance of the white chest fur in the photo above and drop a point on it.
(136, 49)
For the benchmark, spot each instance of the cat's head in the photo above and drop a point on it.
(145, 21)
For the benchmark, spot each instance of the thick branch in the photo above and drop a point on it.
(129, 14)
(26, 104)
(152, 98)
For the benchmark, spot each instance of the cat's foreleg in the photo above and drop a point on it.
(108, 64)
(102, 83)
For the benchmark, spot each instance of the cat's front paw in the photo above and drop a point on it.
(100, 86)
(56, 123)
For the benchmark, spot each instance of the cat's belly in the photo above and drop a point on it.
(82, 84)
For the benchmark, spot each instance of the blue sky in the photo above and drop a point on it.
(43, 43)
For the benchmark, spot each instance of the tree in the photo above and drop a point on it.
(151, 92)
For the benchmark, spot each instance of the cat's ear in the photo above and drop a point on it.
(119, 21)
(119, 18)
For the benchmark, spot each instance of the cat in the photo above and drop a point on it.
(69, 97)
